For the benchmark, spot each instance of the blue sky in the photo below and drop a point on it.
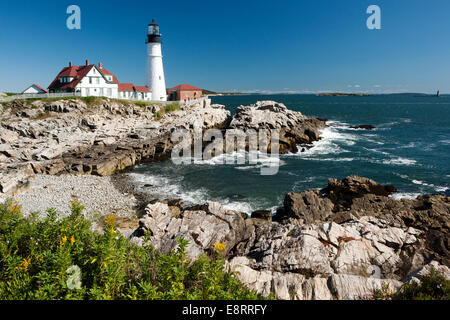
(236, 45)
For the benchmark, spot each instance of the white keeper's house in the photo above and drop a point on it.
(92, 80)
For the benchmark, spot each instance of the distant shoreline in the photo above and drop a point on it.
(329, 94)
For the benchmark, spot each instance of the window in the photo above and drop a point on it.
(90, 80)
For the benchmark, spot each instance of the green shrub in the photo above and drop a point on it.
(432, 286)
(62, 258)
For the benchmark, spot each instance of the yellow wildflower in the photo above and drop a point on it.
(220, 246)
(111, 230)
(110, 219)
(62, 241)
(72, 240)
(24, 265)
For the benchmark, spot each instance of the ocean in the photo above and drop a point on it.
(409, 148)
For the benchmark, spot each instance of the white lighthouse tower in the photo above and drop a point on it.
(155, 72)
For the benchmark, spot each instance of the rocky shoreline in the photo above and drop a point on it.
(313, 248)
(105, 136)
(321, 244)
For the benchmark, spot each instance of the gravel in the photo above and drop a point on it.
(99, 195)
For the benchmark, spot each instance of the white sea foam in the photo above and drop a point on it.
(400, 161)
(430, 185)
(441, 189)
(328, 144)
(404, 176)
(241, 158)
(389, 125)
(409, 145)
(165, 187)
(404, 195)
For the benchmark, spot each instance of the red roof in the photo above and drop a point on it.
(132, 87)
(126, 87)
(184, 87)
(142, 89)
(34, 84)
(77, 72)
(104, 71)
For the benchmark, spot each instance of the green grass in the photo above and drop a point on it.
(88, 100)
(167, 109)
(61, 258)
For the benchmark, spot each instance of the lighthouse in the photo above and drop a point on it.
(155, 72)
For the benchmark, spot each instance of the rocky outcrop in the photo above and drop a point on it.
(355, 197)
(343, 242)
(70, 136)
(203, 225)
(294, 128)
(107, 136)
(294, 286)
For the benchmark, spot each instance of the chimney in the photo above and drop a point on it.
(87, 62)
(70, 64)
(100, 65)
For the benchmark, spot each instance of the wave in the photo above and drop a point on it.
(400, 161)
(167, 187)
(404, 195)
(163, 187)
(331, 142)
(389, 125)
(241, 158)
(430, 185)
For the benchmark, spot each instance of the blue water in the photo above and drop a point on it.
(410, 148)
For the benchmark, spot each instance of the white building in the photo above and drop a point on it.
(93, 80)
(33, 89)
(87, 80)
(155, 71)
(130, 91)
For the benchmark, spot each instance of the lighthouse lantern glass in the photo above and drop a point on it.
(153, 29)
